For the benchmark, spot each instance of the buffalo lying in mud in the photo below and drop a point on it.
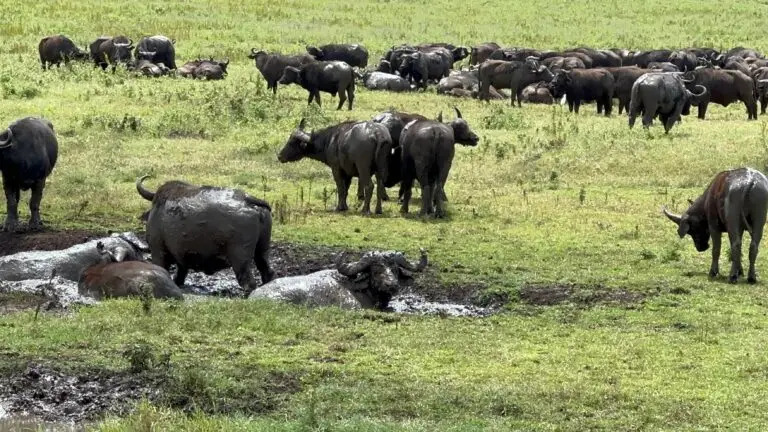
(70, 262)
(428, 149)
(369, 283)
(385, 81)
(147, 68)
(350, 149)
(211, 69)
(113, 277)
(28, 153)
(56, 49)
(354, 55)
(157, 49)
(208, 229)
(514, 75)
(111, 51)
(735, 201)
(330, 77)
(538, 93)
(585, 85)
(662, 94)
(273, 65)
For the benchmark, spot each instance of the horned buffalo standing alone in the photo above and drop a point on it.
(662, 94)
(350, 149)
(55, 49)
(272, 66)
(111, 51)
(725, 87)
(513, 75)
(428, 149)
(206, 228)
(157, 49)
(735, 201)
(585, 85)
(330, 77)
(28, 153)
(353, 55)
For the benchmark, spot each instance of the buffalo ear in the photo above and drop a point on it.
(683, 229)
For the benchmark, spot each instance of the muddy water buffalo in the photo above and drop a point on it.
(273, 65)
(624, 78)
(111, 51)
(585, 85)
(69, 263)
(326, 76)
(415, 67)
(662, 94)
(369, 283)
(187, 70)
(428, 149)
(467, 80)
(538, 93)
(350, 149)
(147, 68)
(157, 49)
(354, 55)
(735, 201)
(725, 87)
(663, 67)
(480, 53)
(56, 49)
(28, 152)
(684, 60)
(206, 228)
(211, 69)
(114, 277)
(439, 62)
(513, 75)
(385, 81)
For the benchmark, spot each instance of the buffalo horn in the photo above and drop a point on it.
(458, 113)
(353, 268)
(762, 81)
(673, 217)
(704, 89)
(414, 267)
(120, 254)
(8, 141)
(147, 195)
(254, 51)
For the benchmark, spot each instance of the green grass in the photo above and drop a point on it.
(546, 197)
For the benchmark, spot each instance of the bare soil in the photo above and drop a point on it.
(580, 295)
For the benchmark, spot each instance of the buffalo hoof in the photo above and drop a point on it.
(713, 273)
(732, 279)
(341, 209)
(35, 225)
(10, 226)
(752, 279)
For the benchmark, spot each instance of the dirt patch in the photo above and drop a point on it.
(582, 295)
(11, 243)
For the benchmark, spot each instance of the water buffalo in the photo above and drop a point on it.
(273, 65)
(587, 85)
(354, 55)
(439, 62)
(326, 76)
(211, 69)
(466, 80)
(599, 58)
(395, 55)
(350, 149)
(736, 200)
(643, 58)
(428, 149)
(187, 70)
(384, 66)
(513, 75)
(563, 63)
(480, 53)
(28, 153)
(737, 52)
(415, 67)
(538, 93)
(739, 64)
(55, 49)
(69, 263)
(206, 228)
(663, 67)
(369, 283)
(385, 81)
(624, 78)
(106, 51)
(147, 68)
(113, 278)
(580, 56)
(662, 94)
(725, 87)
(458, 53)
(157, 49)
(684, 60)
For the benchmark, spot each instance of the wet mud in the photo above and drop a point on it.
(580, 295)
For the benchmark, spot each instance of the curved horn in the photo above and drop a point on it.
(673, 217)
(120, 254)
(147, 195)
(685, 76)
(254, 51)
(414, 267)
(704, 90)
(8, 141)
(458, 113)
(353, 268)
(226, 62)
(104, 252)
(762, 81)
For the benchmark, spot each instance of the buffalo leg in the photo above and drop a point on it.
(350, 96)
(406, 187)
(763, 104)
(714, 269)
(576, 105)
(608, 104)
(751, 109)
(599, 104)
(570, 105)
(735, 237)
(242, 265)
(342, 99)
(342, 187)
(261, 258)
(365, 183)
(381, 193)
(181, 274)
(360, 190)
(648, 115)
(317, 98)
(35, 222)
(426, 198)
(12, 195)
(754, 244)
(274, 88)
(703, 110)
(311, 96)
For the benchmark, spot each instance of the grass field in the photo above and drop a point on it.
(547, 197)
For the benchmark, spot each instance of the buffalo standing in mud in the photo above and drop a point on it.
(735, 201)
(354, 55)
(107, 51)
(208, 229)
(272, 66)
(369, 283)
(330, 77)
(28, 152)
(428, 150)
(580, 85)
(157, 49)
(725, 87)
(56, 49)
(662, 94)
(350, 149)
(513, 75)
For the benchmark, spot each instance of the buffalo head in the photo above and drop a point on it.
(290, 76)
(296, 147)
(462, 134)
(123, 50)
(460, 53)
(380, 275)
(315, 52)
(408, 60)
(693, 224)
(560, 83)
(384, 66)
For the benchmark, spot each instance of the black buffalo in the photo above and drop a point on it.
(28, 153)
(206, 228)
(211, 69)
(428, 149)
(480, 53)
(350, 149)
(513, 75)
(624, 78)
(56, 49)
(157, 49)
(273, 65)
(663, 94)
(326, 76)
(107, 51)
(354, 55)
(643, 58)
(585, 85)
(415, 68)
(725, 87)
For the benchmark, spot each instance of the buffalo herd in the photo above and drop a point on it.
(207, 228)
